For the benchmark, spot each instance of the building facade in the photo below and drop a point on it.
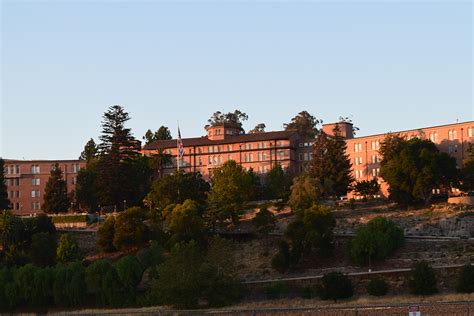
(364, 151)
(261, 151)
(26, 181)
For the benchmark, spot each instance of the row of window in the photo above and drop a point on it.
(306, 156)
(33, 206)
(358, 174)
(306, 144)
(35, 169)
(375, 145)
(34, 181)
(359, 160)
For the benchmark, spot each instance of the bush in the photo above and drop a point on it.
(276, 290)
(69, 288)
(42, 287)
(105, 235)
(130, 231)
(376, 240)
(281, 260)
(151, 257)
(377, 287)
(335, 285)
(94, 276)
(76, 218)
(43, 249)
(68, 249)
(423, 279)
(112, 289)
(185, 223)
(130, 272)
(465, 283)
(264, 221)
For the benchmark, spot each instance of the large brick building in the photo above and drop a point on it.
(261, 150)
(26, 181)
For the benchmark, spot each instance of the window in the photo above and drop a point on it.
(17, 180)
(452, 135)
(33, 194)
(358, 161)
(375, 159)
(470, 132)
(215, 149)
(209, 149)
(17, 169)
(357, 147)
(359, 174)
(375, 145)
(200, 150)
(209, 160)
(17, 206)
(301, 157)
(434, 137)
(263, 156)
(200, 161)
(229, 147)
(17, 194)
(375, 172)
(282, 154)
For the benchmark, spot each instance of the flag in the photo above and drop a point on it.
(180, 145)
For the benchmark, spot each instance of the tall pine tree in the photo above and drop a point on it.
(4, 201)
(90, 151)
(116, 147)
(330, 165)
(55, 194)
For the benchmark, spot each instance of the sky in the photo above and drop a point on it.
(388, 65)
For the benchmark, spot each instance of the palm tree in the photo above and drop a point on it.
(159, 160)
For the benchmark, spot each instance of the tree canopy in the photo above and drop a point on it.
(305, 124)
(90, 151)
(231, 187)
(4, 201)
(277, 183)
(259, 128)
(330, 164)
(234, 119)
(55, 193)
(367, 188)
(162, 133)
(413, 168)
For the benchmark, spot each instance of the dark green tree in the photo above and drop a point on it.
(259, 128)
(305, 124)
(465, 282)
(55, 199)
(277, 183)
(68, 249)
(376, 240)
(69, 287)
(330, 165)
(305, 192)
(264, 221)
(334, 286)
(117, 145)
(367, 188)
(185, 222)
(43, 249)
(129, 229)
(130, 272)
(90, 151)
(311, 233)
(163, 133)
(159, 161)
(413, 168)
(232, 186)
(190, 275)
(105, 235)
(177, 188)
(423, 279)
(95, 278)
(4, 201)
(234, 119)
(87, 187)
(467, 171)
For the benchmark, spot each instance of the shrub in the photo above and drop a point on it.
(465, 283)
(105, 235)
(94, 276)
(42, 287)
(130, 272)
(276, 290)
(112, 289)
(129, 228)
(376, 240)
(69, 288)
(264, 221)
(335, 285)
(68, 249)
(377, 287)
(76, 218)
(185, 222)
(423, 279)
(23, 278)
(151, 257)
(281, 260)
(43, 249)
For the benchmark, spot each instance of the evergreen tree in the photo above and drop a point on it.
(234, 119)
(116, 147)
(87, 188)
(277, 183)
(90, 151)
(163, 133)
(259, 128)
(330, 164)
(56, 199)
(4, 201)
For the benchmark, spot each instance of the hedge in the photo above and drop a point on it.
(77, 218)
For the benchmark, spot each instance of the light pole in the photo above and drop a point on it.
(124, 205)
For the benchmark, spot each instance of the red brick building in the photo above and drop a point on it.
(26, 181)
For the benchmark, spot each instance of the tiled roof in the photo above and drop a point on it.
(204, 141)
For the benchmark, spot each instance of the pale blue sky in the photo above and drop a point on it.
(388, 65)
